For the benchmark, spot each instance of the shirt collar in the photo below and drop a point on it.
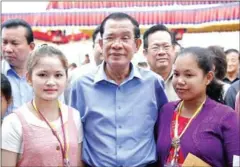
(101, 75)
(169, 76)
(5, 67)
(228, 81)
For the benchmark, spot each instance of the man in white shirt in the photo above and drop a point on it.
(86, 68)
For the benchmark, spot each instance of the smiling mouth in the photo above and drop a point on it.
(9, 58)
(116, 54)
(162, 59)
(181, 90)
(50, 90)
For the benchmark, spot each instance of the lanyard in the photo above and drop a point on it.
(176, 138)
(179, 112)
(63, 150)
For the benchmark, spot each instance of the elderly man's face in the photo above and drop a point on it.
(232, 62)
(160, 51)
(118, 43)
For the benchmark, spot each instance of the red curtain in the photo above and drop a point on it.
(104, 4)
(196, 16)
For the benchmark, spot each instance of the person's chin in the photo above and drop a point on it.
(162, 65)
(230, 71)
(11, 61)
(183, 97)
(50, 97)
(117, 62)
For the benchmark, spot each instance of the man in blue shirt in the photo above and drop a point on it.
(17, 44)
(118, 102)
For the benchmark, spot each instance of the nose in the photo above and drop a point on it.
(181, 81)
(117, 44)
(7, 48)
(50, 81)
(162, 50)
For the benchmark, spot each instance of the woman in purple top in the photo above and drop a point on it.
(199, 123)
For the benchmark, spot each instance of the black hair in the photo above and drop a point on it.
(219, 61)
(73, 65)
(205, 62)
(6, 89)
(175, 43)
(19, 22)
(121, 16)
(94, 35)
(43, 51)
(233, 50)
(153, 29)
(142, 64)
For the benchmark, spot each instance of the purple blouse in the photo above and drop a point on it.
(213, 135)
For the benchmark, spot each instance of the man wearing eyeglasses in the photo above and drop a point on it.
(159, 51)
(119, 102)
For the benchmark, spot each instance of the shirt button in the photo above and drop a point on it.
(119, 126)
(119, 146)
(119, 107)
(57, 148)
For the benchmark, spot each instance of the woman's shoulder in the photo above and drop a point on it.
(73, 111)
(219, 110)
(223, 108)
(169, 107)
(11, 125)
(20, 113)
(25, 114)
(172, 104)
(12, 118)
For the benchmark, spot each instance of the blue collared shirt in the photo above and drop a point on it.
(118, 120)
(22, 92)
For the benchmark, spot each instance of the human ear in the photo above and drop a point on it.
(32, 45)
(138, 43)
(10, 100)
(210, 76)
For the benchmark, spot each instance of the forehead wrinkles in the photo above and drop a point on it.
(232, 56)
(119, 26)
(160, 37)
(13, 37)
(14, 33)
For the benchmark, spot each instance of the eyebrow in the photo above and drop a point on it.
(12, 40)
(183, 71)
(163, 43)
(122, 33)
(188, 71)
(48, 71)
(126, 32)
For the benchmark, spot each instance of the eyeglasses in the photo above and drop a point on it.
(43, 45)
(122, 40)
(165, 48)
